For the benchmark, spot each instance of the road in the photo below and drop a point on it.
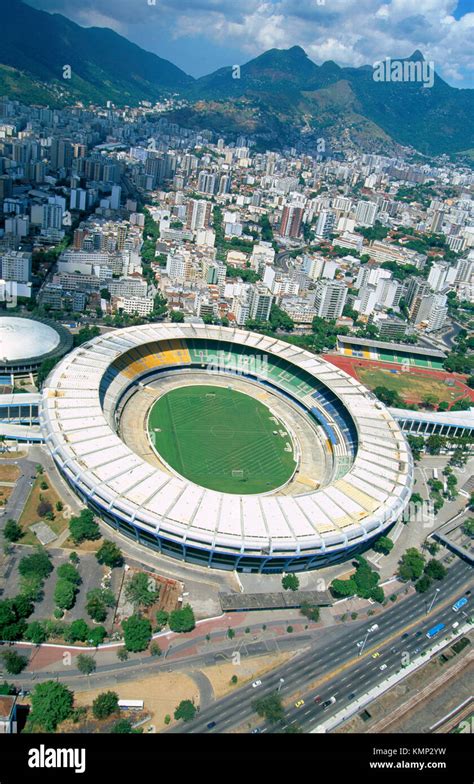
(344, 672)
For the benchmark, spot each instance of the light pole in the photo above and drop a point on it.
(280, 684)
(433, 600)
(363, 644)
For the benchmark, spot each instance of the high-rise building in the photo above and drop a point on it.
(16, 265)
(366, 212)
(290, 225)
(325, 225)
(198, 214)
(330, 298)
(260, 303)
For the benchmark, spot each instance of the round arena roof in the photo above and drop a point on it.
(25, 342)
(373, 466)
(22, 338)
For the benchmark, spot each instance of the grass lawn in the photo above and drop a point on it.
(30, 516)
(208, 433)
(412, 387)
(9, 473)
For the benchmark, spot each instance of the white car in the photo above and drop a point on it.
(360, 643)
(374, 627)
(455, 625)
(255, 684)
(383, 667)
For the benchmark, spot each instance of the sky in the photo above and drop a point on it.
(202, 35)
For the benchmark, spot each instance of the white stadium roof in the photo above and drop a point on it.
(364, 501)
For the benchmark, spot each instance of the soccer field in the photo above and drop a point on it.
(221, 439)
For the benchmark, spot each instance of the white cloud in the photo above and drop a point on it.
(351, 32)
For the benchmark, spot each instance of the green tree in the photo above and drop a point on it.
(84, 527)
(383, 545)
(411, 564)
(36, 565)
(12, 531)
(110, 555)
(186, 711)
(269, 707)
(290, 582)
(51, 703)
(161, 619)
(468, 527)
(177, 316)
(68, 572)
(182, 620)
(97, 635)
(434, 444)
(140, 591)
(155, 649)
(137, 633)
(86, 664)
(105, 704)
(64, 594)
(36, 633)
(14, 663)
(310, 611)
(423, 584)
(435, 569)
(78, 631)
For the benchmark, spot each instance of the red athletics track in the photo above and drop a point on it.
(350, 365)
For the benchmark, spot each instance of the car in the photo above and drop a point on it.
(374, 627)
(404, 636)
(351, 696)
(255, 684)
(418, 634)
(256, 731)
(455, 625)
(211, 725)
(360, 643)
(318, 698)
(329, 702)
(376, 655)
(468, 593)
(383, 667)
(393, 650)
(299, 704)
(417, 650)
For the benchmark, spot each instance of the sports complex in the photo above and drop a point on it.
(225, 448)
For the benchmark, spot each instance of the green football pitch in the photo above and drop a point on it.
(221, 439)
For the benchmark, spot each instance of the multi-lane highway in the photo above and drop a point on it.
(335, 668)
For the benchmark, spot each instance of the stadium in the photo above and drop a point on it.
(225, 448)
(26, 342)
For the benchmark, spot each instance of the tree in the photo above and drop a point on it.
(98, 600)
(177, 316)
(435, 569)
(105, 704)
(389, 396)
(78, 631)
(137, 633)
(468, 527)
(290, 582)
(36, 565)
(161, 619)
(109, 554)
(68, 572)
(36, 633)
(155, 649)
(343, 588)
(383, 545)
(51, 703)
(84, 527)
(310, 611)
(86, 664)
(411, 564)
(139, 591)
(64, 594)
(434, 444)
(182, 620)
(14, 662)
(186, 710)
(423, 584)
(124, 727)
(12, 531)
(12, 625)
(269, 707)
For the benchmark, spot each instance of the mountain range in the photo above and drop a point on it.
(279, 97)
